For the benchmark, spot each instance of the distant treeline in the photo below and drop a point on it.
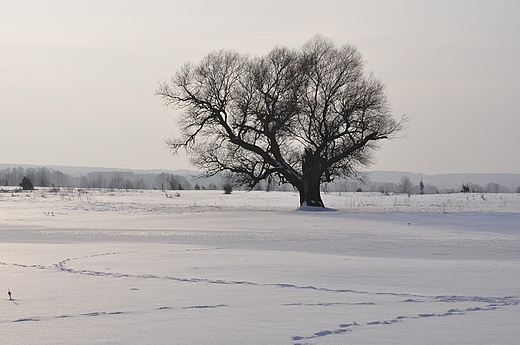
(48, 177)
(405, 186)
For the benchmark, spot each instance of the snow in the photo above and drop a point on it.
(202, 267)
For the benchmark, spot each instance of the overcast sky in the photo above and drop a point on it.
(77, 78)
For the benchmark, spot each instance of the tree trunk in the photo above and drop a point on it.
(310, 191)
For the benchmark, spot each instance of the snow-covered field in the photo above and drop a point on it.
(148, 267)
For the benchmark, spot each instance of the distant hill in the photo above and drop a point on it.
(83, 170)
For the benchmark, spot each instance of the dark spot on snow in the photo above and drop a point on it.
(372, 323)
(427, 315)
(26, 320)
(343, 329)
(206, 306)
(363, 303)
(94, 314)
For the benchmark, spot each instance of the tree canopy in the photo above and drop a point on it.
(306, 115)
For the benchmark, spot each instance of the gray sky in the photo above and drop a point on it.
(77, 78)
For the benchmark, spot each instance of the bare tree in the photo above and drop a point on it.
(98, 181)
(305, 116)
(60, 179)
(41, 177)
(160, 182)
(127, 184)
(116, 181)
(494, 187)
(140, 184)
(405, 185)
(228, 182)
(168, 181)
